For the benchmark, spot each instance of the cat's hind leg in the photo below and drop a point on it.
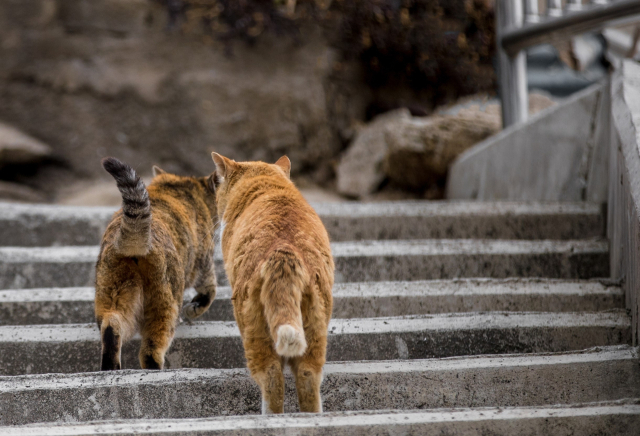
(308, 375)
(265, 364)
(205, 288)
(270, 378)
(161, 313)
(307, 369)
(118, 304)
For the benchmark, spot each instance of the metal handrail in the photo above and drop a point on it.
(518, 28)
(566, 26)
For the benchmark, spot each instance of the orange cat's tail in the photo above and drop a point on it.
(134, 237)
(284, 280)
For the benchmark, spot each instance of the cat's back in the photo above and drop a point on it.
(173, 202)
(281, 219)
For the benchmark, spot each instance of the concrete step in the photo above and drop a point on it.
(353, 300)
(616, 417)
(69, 348)
(603, 374)
(22, 267)
(43, 225)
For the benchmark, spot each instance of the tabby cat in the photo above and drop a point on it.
(160, 242)
(278, 261)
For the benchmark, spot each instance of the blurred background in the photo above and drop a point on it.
(371, 99)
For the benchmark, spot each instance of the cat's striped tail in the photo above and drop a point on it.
(134, 236)
(284, 280)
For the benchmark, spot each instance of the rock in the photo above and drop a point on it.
(420, 149)
(539, 102)
(360, 169)
(414, 153)
(19, 193)
(18, 148)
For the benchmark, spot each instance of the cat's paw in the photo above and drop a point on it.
(191, 311)
(197, 307)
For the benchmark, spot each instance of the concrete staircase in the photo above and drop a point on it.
(449, 318)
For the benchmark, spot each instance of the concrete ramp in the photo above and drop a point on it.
(560, 154)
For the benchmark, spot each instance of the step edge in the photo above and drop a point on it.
(387, 289)
(353, 326)
(597, 355)
(334, 419)
(365, 249)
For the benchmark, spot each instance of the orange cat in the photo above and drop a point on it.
(278, 261)
(160, 242)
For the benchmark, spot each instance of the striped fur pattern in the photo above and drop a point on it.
(158, 244)
(278, 260)
(134, 237)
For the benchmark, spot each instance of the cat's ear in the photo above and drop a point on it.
(212, 182)
(157, 171)
(285, 164)
(224, 166)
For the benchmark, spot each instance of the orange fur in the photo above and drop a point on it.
(278, 261)
(160, 242)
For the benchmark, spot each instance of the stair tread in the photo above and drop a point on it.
(333, 420)
(435, 247)
(396, 208)
(599, 374)
(352, 300)
(56, 225)
(435, 322)
(23, 267)
(441, 288)
(217, 344)
(610, 353)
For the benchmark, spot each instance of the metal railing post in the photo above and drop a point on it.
(512, 70)
(554, 8)
(574, 5)
(532, 13)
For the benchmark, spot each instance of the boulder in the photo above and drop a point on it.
(419, 150)
(360, 169)
(414, 153)
(19, 148)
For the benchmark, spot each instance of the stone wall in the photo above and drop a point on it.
(92, 78)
